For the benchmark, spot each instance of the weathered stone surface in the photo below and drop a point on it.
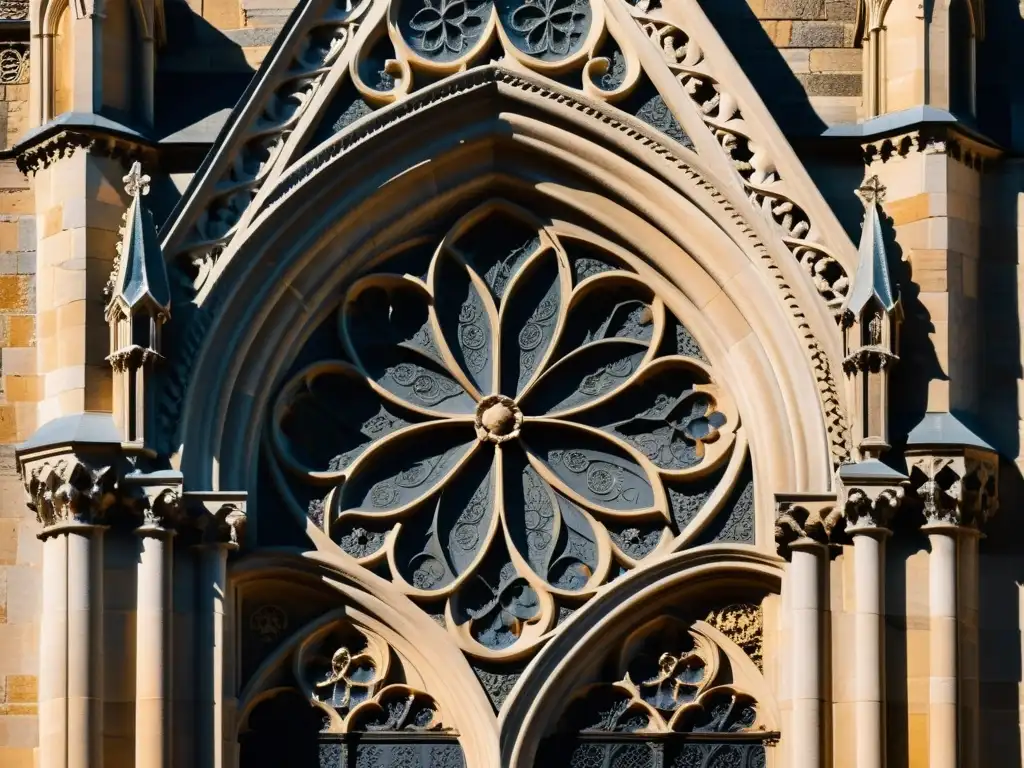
(841, 10)
(817, 34)
(836, 60)
(831, 85)
(794, 9)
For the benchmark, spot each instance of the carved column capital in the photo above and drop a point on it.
(219, 517)
(870, 493)
(155, 500)
(67, 489)
(956, 488)
(805, 519)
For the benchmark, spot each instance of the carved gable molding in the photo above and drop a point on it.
(343, 61)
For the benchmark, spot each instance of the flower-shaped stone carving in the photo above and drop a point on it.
(445, 26)
(443, 31)
(498, 435)
(549, 26)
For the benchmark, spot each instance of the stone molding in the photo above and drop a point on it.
(931, 140)
(39, 156)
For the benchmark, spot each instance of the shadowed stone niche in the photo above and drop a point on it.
(502, 418)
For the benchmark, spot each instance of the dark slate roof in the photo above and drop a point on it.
(944, 429)
(903, 121)
(872, 469)
(79, 428)
(141, 274)
(81, 121)
(872, 279)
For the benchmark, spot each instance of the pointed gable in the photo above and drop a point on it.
(337, 63)
(140, 278)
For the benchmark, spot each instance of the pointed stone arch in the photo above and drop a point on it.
(364, 608)
(496, 127)
(572, 660)
(405, 173)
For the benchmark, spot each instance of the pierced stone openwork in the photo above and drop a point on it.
(517, 418)
(349, 699)
(670, 695)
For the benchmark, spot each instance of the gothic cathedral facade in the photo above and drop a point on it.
(511, 383)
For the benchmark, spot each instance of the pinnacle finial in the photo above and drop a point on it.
(136, 183)
(872, 191)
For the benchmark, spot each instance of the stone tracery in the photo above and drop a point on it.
(515, 401)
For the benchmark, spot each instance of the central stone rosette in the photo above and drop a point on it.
(515, 405)
(498, 419)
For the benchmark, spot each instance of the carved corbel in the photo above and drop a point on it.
(218, 516)
(805, 519)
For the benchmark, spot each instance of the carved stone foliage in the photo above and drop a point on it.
(68, 490)
(743, 623)
(671, 698)
(514, 421)
(753, 161)
(13, 10)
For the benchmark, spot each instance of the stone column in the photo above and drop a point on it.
(159, 505)
(957, 491)
(70, 494)
(868, 509)
(221, 517)
(802, 529)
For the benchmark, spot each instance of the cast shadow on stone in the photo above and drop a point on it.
(836, 169)
(919, 362)
(201, 74)
(1001, 562)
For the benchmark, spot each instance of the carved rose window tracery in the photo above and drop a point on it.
(498, 437)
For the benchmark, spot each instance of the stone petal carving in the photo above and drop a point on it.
(539, 472)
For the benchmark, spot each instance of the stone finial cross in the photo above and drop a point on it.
(136, 183)
(872, 191)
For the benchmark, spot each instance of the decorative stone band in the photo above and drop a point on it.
(132, 357)
(35, 155)
(930, 139)
(872, 358)
(805, 518)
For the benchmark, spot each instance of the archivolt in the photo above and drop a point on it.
(497, 129)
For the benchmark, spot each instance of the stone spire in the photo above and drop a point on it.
(871, 321)
(140, 301)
